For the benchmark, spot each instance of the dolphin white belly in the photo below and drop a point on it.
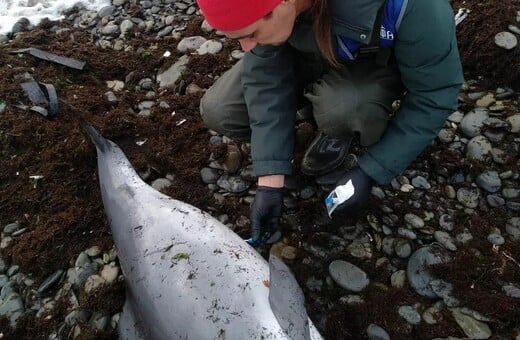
(187, 275)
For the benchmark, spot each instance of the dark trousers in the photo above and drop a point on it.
(355, 99)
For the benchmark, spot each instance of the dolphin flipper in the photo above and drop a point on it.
(287, 300)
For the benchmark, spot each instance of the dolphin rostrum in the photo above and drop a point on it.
(187, 275)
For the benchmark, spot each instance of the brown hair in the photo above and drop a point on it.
(322, 30)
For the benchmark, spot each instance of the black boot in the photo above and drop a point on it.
(324, 154)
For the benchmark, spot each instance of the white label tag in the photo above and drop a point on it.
(339, 195)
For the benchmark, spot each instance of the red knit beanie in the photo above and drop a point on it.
(233, 15)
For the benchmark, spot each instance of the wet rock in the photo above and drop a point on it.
(398, 279)
(209, 175)
(512, 291)
(375, 332)
(50, 281)
(478, 147)
(417, 269)
(472, 328)
(489, 181)
(513, 227)
(234, 184)
(210, 47)
(469, 197)
(402, 248)
(190, 43)
(514, 121)
(161, 183)
(506, 40)
(473, 121)
(168, 78)
(414, 220)
(348, 276)
(12, 307)
(410, 314)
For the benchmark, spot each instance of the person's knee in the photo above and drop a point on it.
(209, 112)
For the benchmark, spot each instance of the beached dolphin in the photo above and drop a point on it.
(187, 275)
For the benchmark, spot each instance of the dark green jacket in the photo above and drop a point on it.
(426, 53)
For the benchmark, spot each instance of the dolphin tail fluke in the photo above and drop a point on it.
(287, 300)
(101, 143)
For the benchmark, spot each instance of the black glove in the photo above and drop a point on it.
(350, 193)
(265, 214)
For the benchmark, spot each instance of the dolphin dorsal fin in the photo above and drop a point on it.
(287, 300)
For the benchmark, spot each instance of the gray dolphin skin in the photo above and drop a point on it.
(187, 275)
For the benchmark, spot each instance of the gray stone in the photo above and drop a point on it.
(11, 228)
(99, 321)
(314, 284)
(12, 307)
(111, 97)
(168, 78)
(446, 135)
(496, 239)
(456, 117)
(444, 290)
(414, 220)
(351, 300)
(469, 197)
(514, 121)
(510, 193)
(234, 184)
(190, 43)
(110, 29)
(478, 147)
(126, 26)
(417, 269)
(402, 248)
(473, 121)
(76, 316)
(495, 201)
(50, 281)
(513, 227)
(410, 314)
(398, 279)
(210, 47)
(82, 259)
(499, 156)
(506, 40)
(348, 276)
(474, 329)
(161, 183)
(375, 332)
(514, 206)
(4, 279)
(165, 31)
(421, 183)
(512, 291)
(106, 11)
(13, 270)
(446, 222)
(445, 239)
(209, 175)
(407, 233)
(85, 272)
(489, 181)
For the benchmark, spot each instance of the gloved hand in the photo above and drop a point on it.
(350, 194)
(265, 214)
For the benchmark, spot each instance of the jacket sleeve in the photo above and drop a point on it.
(429, 63)
(269, 92)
